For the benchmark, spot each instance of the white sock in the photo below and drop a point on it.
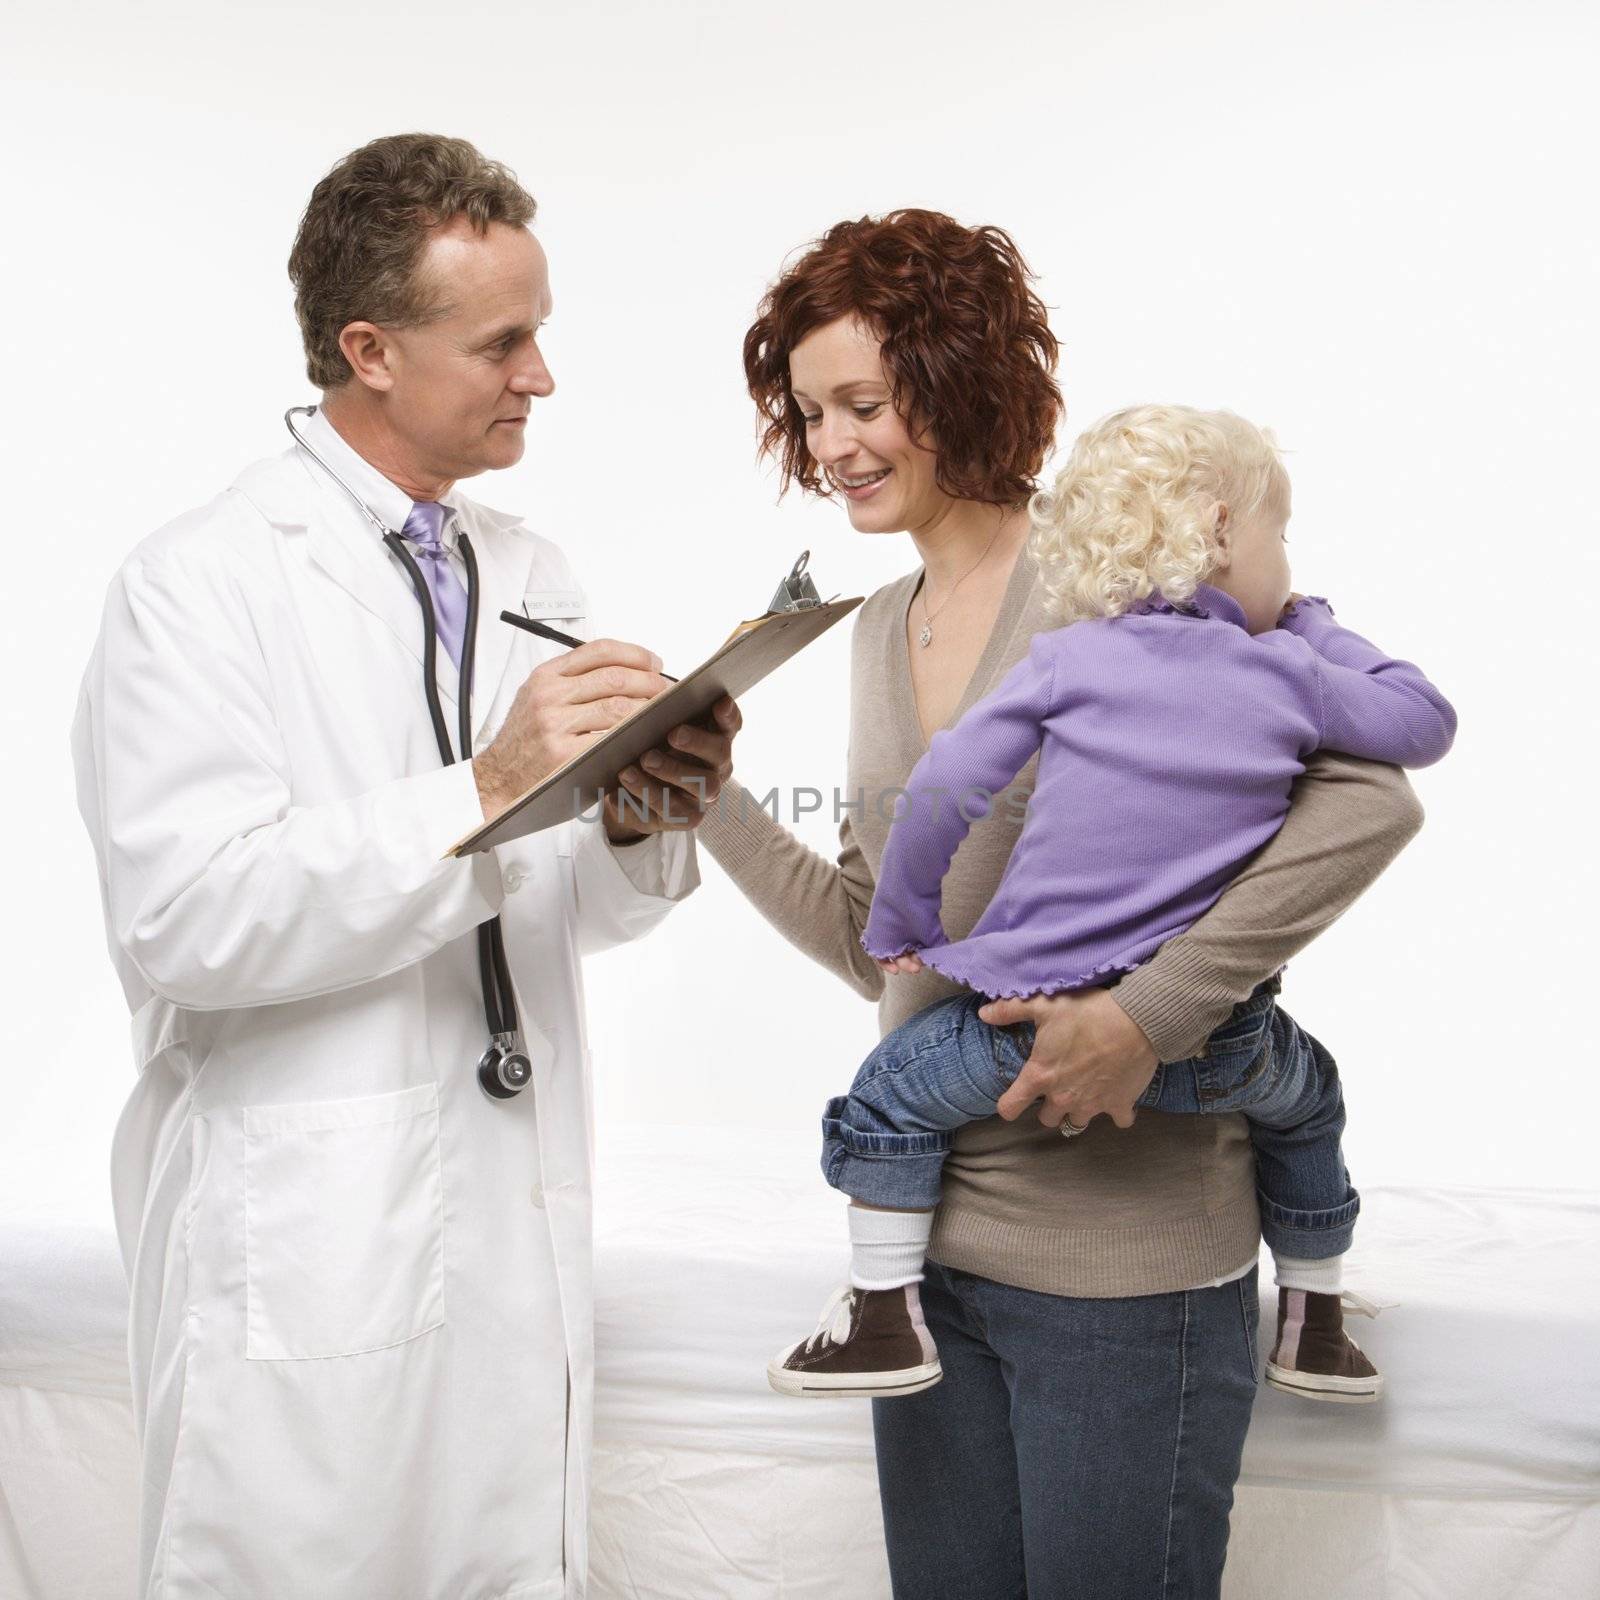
(887, 1248)
(1316, 1277)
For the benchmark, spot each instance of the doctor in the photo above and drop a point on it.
(361, 1312)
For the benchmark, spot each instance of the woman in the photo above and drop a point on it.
(1094, 1300)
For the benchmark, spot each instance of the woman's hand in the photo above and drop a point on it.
(1088, 1056)
(910, 962)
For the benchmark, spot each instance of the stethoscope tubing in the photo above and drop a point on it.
(490, 950)
(503, 1071)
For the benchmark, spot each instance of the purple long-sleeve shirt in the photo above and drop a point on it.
(1168, 740)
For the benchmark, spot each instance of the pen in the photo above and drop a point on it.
(545, 631)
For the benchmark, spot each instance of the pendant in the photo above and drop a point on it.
(925, 638)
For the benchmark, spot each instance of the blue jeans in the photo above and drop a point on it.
(1076, 1449)
(885, 1142)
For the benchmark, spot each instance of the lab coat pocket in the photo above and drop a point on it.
(343, 1225)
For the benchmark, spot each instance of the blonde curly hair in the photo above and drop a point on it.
(1135, 509)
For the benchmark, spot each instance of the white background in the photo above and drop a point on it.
(1370, 226)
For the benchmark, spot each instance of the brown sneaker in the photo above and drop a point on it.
(867, 1342)
(1314, 1357)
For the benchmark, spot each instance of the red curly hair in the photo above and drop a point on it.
(966, 343)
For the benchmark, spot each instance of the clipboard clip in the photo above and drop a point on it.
(797, 592)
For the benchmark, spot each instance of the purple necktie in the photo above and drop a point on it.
(423, 528)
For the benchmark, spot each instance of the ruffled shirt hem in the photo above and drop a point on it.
(966, 966)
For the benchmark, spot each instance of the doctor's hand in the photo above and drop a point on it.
(1088, 1056)
(563, 705)
(689, 770)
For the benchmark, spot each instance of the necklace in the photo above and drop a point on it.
(925, 638)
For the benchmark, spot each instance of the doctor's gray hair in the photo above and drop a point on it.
(364, 230)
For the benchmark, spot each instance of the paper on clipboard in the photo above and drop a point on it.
(751, 651)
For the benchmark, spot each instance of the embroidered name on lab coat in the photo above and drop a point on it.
(555, 603)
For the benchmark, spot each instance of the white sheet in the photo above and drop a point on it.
(1477, 1476)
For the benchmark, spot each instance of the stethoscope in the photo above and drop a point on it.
(504, 1069)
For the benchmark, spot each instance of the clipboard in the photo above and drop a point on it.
(795, 616)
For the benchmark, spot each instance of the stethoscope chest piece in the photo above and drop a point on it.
(503, 1070)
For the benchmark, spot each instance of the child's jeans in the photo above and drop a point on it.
(885, 1142)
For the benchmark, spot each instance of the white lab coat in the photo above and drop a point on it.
(359, 1286)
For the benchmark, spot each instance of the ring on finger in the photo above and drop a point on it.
(1070, 1129)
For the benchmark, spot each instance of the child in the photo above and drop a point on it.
(1171, 719)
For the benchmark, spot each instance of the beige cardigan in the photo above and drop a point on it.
(1170, 1202)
